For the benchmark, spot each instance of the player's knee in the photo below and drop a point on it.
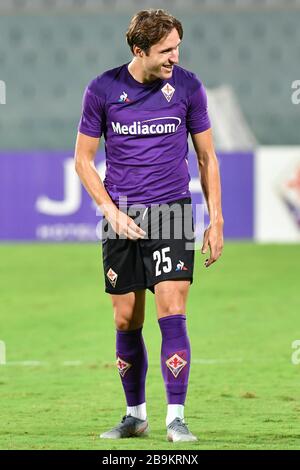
(174, 304)
(172, 309)
(123, 325)
(128, 312)
(124, 321)
(121, 318)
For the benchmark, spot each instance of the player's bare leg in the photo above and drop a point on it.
(132, 363)
(171, 298)
(129, 310)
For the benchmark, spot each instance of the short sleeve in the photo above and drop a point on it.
(92, 118)
(197, 116)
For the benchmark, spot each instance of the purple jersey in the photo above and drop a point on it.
(145, 127)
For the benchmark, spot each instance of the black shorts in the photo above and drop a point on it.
(166, 252)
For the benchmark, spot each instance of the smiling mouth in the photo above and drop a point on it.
(168, 67)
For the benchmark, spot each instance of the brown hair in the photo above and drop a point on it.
(148, 27)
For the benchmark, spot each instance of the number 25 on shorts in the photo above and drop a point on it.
(162, 261)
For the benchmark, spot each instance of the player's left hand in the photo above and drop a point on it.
(213, 239)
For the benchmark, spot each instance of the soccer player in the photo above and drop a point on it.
(145, 110)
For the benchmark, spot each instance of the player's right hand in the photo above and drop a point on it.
(124, 225)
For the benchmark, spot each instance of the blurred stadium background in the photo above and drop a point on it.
(54, 319)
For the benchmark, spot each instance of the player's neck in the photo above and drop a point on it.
(137, 72)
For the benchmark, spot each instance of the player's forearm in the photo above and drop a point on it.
(211, 185)
(90, 179)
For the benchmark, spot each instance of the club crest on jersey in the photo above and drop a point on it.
(122, 366)
(124, 98)
(175, 364)
(112, 277)
(181, 267)
(168, 91)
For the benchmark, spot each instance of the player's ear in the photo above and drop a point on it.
(137, 51)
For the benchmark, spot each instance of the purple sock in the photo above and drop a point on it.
(132, 364)
(175, 357)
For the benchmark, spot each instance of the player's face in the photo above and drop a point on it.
(162, 56)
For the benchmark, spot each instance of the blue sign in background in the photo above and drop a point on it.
(41, 197)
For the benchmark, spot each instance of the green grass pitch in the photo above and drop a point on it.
(243, 315)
